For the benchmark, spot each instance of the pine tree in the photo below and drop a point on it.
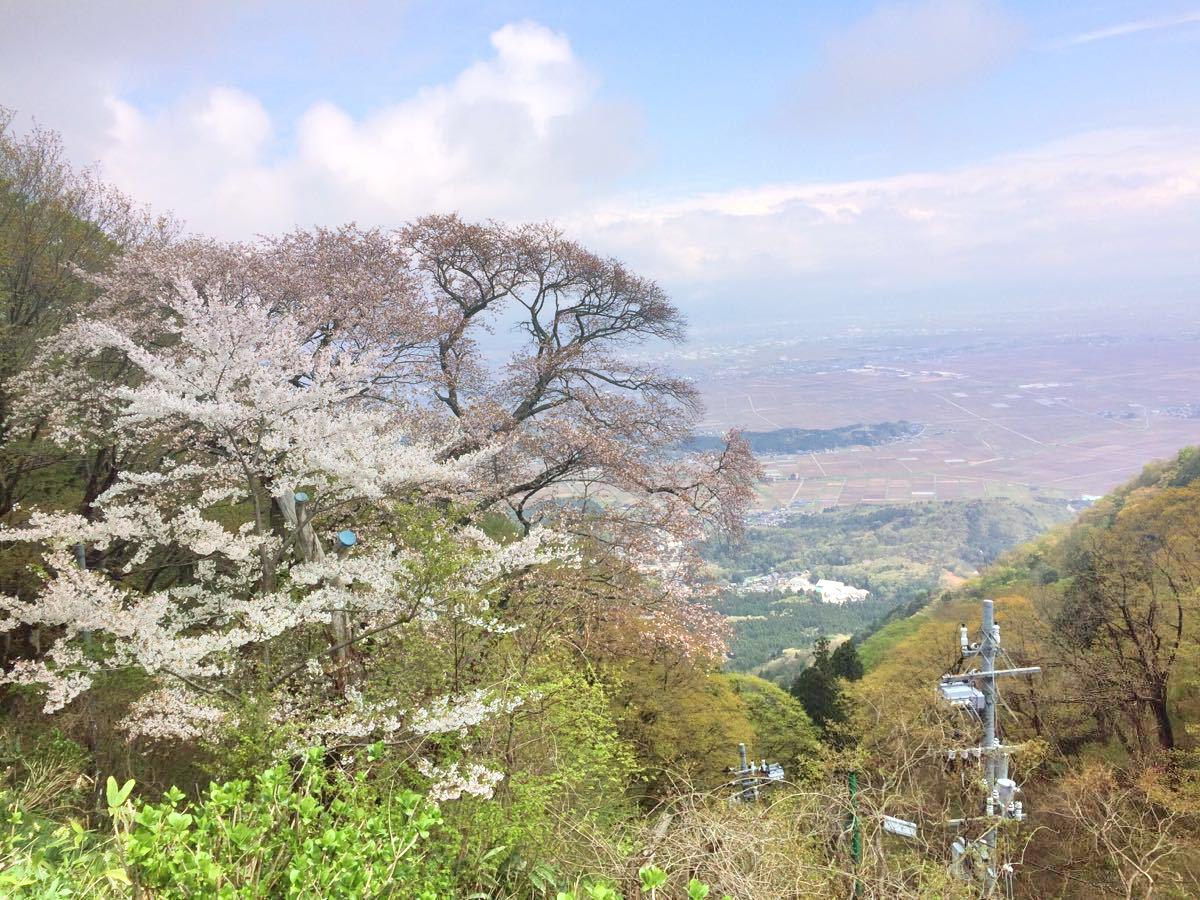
(844, 662)
(818, 688)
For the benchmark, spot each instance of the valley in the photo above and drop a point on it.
(941, 452)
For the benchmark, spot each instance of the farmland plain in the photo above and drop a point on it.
(1001, 415)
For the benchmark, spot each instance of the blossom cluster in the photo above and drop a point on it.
(452, 781)
(172, 713)
(458, 713)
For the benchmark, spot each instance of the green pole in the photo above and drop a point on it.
(855, 832)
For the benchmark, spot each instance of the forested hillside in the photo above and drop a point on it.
(899, 553)
(303, 595)
(1110, 609)
(815, 440)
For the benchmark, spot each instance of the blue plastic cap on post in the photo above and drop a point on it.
(347, 538)
(301, 497)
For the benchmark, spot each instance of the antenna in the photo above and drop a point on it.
(976, 693)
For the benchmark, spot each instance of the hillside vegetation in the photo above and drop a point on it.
(302, 598)
(1110, 609)
(899, 553)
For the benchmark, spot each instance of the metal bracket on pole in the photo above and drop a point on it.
(971, 676)
(753, 776)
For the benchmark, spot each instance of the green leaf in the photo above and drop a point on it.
(697, 890)
(652, 877)
(494, 852)
(543, 877)
(116, 796)
(117, 875)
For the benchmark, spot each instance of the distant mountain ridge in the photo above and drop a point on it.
(815, 440)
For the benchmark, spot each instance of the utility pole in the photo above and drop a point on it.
(976, 693)
(751, 776)
(749, 789)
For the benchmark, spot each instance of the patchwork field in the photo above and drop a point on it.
(1070, 417)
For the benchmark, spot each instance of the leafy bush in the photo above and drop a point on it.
(306, 831)
(46, 859)
(565, 796)
(652, 880)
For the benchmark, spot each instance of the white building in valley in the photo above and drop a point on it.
(829, 591)
(837, 592)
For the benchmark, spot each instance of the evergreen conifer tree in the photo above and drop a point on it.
(818, 689)
(844, 662)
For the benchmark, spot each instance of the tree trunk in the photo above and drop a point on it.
(309, 547)
(1162, 720)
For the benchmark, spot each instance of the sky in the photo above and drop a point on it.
(764, 161)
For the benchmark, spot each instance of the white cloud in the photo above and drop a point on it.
(1135, 27)
(204, 158)
(235, 122)
(498, 140)
(904, 49)
(60, 59)
(519, 134)
(1083, 211)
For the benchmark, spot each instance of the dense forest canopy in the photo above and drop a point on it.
(900, 554)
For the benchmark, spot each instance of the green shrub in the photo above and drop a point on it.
(652, 882)
(46, 859)
(564, 800)
(295, 831)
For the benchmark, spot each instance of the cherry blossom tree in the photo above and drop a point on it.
(214, 557)
(585, 417)
(513, 338)
(285, 396)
